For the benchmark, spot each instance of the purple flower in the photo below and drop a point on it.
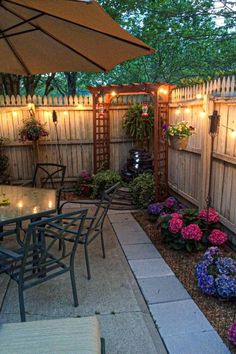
(170, 202)
(226, 286)
(155, 208)
(232, 333)
(165, 127)
(206, 284)
(216, 275)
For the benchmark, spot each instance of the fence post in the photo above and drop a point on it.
(205, 153)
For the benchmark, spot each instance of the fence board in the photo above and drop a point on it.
(185, 167)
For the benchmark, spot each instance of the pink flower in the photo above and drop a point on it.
(177, 215)
(217, 237)
(209, 216)
(192, 232)
(175, 225)
(232, 333)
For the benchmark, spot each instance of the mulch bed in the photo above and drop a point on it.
(220, 314)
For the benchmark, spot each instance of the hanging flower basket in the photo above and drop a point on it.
(178, 143)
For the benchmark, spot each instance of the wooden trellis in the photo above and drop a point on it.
(102, 96)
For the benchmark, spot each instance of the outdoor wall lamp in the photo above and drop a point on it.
(214, 124)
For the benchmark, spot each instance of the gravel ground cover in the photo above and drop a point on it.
(220, 313)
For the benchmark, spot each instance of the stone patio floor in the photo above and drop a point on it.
(112, 295)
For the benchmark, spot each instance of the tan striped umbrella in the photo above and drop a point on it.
(39, 36)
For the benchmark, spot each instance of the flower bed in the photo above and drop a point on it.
(221, 314)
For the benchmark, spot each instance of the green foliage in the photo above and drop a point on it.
(180, 130)
(32, 130)
(142, 189)
(192, 45)
(135, 125)
(105, 179)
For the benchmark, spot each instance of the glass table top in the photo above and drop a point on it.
(18, 203)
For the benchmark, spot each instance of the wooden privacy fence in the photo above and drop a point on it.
(189, 169)
(75, 130)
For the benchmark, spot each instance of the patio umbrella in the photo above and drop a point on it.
(62, 35)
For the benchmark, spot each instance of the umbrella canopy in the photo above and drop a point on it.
(62, 35)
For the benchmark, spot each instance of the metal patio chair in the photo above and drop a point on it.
(39, 259)
(94, 221)
(49, 175)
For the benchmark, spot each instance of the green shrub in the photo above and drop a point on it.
(142, 189)
(105, 179)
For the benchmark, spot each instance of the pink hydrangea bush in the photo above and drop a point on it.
(189, 229)
(217, 237)
(175, 225)
(192, 232)
(209, 216)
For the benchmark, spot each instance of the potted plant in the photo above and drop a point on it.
(178, 134)
(32, 130)
(137, 124)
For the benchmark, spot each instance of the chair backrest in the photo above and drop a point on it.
(49, 175)
(41, 254)
(103, 206)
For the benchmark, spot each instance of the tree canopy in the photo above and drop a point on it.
(194, 40)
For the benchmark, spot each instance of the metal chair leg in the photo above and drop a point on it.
(87, 261)
(103, 247)
(21, 303)
(73, 284)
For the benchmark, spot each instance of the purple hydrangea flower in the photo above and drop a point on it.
(155, 209)
(226, 286)
(216, 275)
(170, 202)
(206, 284)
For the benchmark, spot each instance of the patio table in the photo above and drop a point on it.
(25, 203)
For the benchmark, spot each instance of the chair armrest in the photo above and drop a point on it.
(10, 253)
(85, 202)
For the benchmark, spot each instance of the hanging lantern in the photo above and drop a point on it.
(145, 113)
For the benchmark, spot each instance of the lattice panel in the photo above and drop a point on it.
(101, 137)
(162, 153)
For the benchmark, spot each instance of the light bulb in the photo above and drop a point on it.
(178, 111)
(187, 110)
(233, 133)
(113, 93)
(202, 114)
(14, 114)
(198, 96)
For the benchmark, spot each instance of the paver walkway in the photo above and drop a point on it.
(112, 294)
(182, 325)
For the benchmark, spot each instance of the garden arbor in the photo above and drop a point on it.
(102, 98)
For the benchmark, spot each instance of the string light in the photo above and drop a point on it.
(178, 111)
(80, 106)
(233, 134)
(198, 96)
(162, 90)
(65, 113)
(113, 93)
(202, 114)
(14, 114)
(187, 110)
